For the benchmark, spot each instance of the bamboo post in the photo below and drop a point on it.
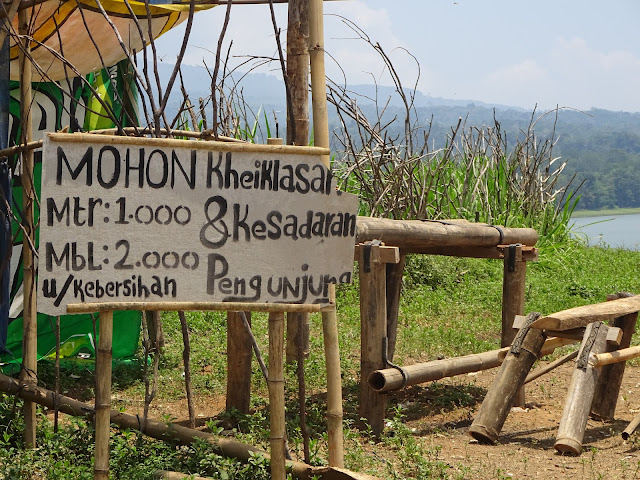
(30, 333)
(580, 393)
(513, 290)
(394, 273)
(103, 396)
(607, 390)
(276, 395)
(329, 318)
(238, 363)
(493, 412)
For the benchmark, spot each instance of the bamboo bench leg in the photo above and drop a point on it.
(607, 391)
(513, 292)
(373, 329)
(580, 394)
(499, 399)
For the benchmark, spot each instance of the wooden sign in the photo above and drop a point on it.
(131, 219)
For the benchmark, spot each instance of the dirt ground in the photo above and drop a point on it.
(525, 447)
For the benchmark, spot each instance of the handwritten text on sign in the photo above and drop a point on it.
(166, 220)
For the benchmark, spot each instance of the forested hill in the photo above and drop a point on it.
(602, 147)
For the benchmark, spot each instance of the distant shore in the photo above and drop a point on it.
(604, 212)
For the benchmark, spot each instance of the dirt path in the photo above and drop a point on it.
(440, 416)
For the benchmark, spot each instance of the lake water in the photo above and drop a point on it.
(612, 230)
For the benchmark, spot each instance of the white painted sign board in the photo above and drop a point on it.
(130, 219)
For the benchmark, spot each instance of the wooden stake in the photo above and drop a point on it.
(394, 273)
(580, 393)
(513, 290)
(186, 360)
(276, 395)
(295, 321)
(493, 412)
(607, 391)
(29, 319)
(103, 396)
(156, 335)
(373, 331)
(238, 363)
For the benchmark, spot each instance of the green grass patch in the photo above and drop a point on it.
(603, 212)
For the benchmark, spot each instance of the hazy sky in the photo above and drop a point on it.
(574, 53)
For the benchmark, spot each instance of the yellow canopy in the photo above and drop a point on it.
(61, 29)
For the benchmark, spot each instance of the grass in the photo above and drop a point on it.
(605, 211)
(450, 307)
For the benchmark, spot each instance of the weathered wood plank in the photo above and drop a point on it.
(584, 315)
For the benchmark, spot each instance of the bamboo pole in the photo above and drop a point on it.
(493, 412)
(373, 331)
(609, 358)
(329, 318)
(162, 430)
(552, 366)
(513, 290)
(30, 328)
(390, 379)
(580, 394)
(418, 234)
(276, 395)
(631, 428)
(10, 14)
(607, 391)
(199, 306)
(238, 363)
(103, 396)
(233, 147)
(584, 315)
